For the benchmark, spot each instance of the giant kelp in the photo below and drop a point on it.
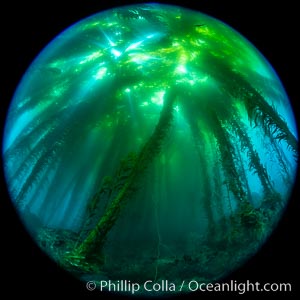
(126, 182)
(159, 136)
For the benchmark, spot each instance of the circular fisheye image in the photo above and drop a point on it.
(147, 146)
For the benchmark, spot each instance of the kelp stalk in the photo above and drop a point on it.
(95, 240)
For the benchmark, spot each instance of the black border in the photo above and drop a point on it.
(30, 26)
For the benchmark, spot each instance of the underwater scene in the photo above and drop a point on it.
(150, 143)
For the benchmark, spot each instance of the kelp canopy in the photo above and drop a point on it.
(150, 140)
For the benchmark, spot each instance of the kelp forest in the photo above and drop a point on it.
(150, 142)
